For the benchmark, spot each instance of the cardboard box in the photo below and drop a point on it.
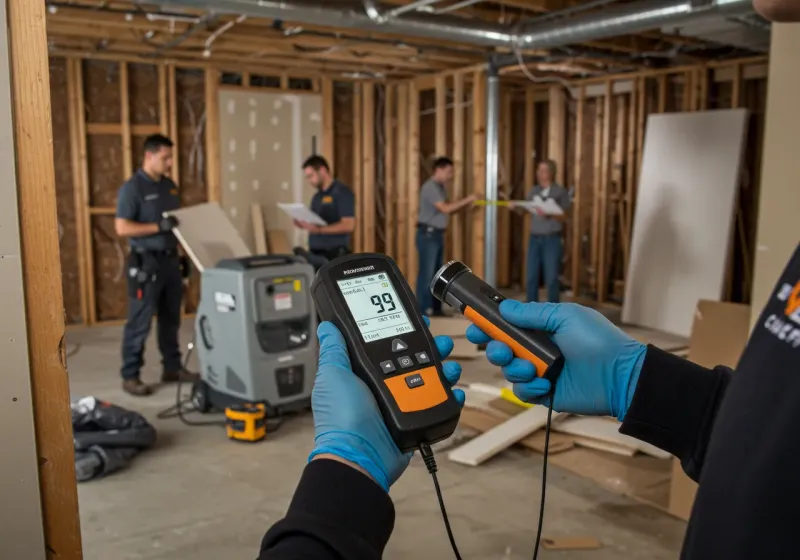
(719, 334)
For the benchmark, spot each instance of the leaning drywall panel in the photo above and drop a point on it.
(684, 214)
(264, 139)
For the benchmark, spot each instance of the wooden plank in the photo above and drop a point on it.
(413, 180)
(597, 166)
(368, 161)
(503, 436)
(41, 277)
(278, 243)
(702, 102)
(607, 430)
(358, 187)
(602, 258)
(163, 103)
(116, 128)
(617, 174)
(259, 231)
(84, 218)
(662, 93)
(246, 79)
(736, 95)
(571, 543)
(102, 210)
(212, 158)
(440, 145)
(73, 75)
(641, 120)
(285, 81)
(457, 219)
(327, 120)
(478, 232)
(689, 92)
(390, 176)
(577, 201)
(506, 177)
(557, 120)
(402, 178)
(528, 174)
(125, 112)
(173, 124)
(630, 168)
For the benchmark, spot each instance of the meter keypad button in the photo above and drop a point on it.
(405, 361)
(398, 345)
(388, 367)
(422, 358)
(414, 381)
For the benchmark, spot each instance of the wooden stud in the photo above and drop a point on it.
(41, 276)
(689, 91)
(440, 144)
(389, 170)
(163, 103)
(173, 123)
(125, 111)
(403, 218)
(528, 174)
(358, 131)
(618, 175)
(457, 220)
(368, 161)
(246, 79)
(327, 119)
(504, 213)
(212, 159)
(702, 88)
(413, 180)
(630, 168)
(600, 116)
(478, 170)
(577, 199)
(602, 269)
(736, 95)
(557, 120)
(662, 93)
(116, 129)
(641, 121)
(284, 81)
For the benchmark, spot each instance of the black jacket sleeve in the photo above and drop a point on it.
(336, 513)
(675, 405)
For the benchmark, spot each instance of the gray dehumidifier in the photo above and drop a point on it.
(256, 335)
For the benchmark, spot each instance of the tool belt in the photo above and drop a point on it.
(142, 270)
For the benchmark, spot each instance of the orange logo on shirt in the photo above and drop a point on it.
(327, 200)
(173, 192)
(793, 301)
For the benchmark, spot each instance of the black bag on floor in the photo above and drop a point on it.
(106, 437)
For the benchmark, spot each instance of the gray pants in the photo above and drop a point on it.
(162, 299)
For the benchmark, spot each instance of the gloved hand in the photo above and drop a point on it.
(347, 421)
(602, 363)
(167, 223)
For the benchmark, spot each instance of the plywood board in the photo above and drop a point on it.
(684, 216)
(606, 430)
(208, 236)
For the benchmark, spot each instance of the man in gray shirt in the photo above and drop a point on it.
(434, 212)
(545, 244)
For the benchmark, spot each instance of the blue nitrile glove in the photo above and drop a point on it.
(602, 363)
(347, 421)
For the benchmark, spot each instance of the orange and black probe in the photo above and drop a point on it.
(456, 285)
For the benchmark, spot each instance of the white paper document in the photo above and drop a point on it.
(300, 212)
(548, 206)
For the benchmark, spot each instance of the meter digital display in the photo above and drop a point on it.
(375, 306)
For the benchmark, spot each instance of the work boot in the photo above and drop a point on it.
(136, 388)
(182, 375)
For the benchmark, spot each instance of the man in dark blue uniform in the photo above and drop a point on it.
(334, 203)
(155, 283)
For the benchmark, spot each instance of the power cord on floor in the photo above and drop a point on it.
(430, 464)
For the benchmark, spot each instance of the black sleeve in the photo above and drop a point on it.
(336, 513)
(675, 405)
(346, 201)
(128, 203)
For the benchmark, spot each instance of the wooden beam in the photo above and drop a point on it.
(73, 91)
(557, 120)
(173, 124)
(478, 170)
(596, 190)
(116, 129)
(358, 170)
(528, 174)
(702, 74)
(402, 180)
(390, 178)
(163, 103)
(617, 178)
(577, 200)
(662, 93)
(41, 276)
(457, 220)
(689, 92)
(212, 158)
(602, 270)
(413, 180)
(736, 95)
(246, 79)
(630, 169)
(504, 213)
(368, 177)
(327, 120)
(83, 219)
(440, 145)
(125, 111)
(641, 121)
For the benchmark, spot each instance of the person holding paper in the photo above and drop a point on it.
(545, 243)
(333, 202)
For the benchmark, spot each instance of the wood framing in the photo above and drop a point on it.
(413, 181)
(557, 115)
(577, 201)
(358, 170)
(173, 124)
(390, 177)
(41, 275)
(403, 140)
(528, 173)
(368, 161)
(327, 119)
(212, 77)
(505, 185)
(602, 203)
(457, 220)
(478, 231)
(125, 111)
(163, 103)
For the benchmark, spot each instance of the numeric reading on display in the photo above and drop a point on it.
(375, 306)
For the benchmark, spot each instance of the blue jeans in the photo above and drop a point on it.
(430, 247)
(544, 252)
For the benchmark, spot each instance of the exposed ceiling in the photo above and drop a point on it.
(160, 30)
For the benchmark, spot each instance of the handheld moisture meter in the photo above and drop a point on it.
(456, 285)
(366, 296)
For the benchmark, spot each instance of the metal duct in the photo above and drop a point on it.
(629, 18)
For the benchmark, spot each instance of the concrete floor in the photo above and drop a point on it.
(197, 495)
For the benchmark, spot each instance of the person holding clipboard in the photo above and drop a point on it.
(545, 248)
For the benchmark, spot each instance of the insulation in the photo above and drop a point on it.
(143, 93)
(109, 270)
(104, 153)
(343, 132)
(62, 158)
(101, 91)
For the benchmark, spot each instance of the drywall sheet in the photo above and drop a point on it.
(208, 236)
(264, 139)
(684, 215)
